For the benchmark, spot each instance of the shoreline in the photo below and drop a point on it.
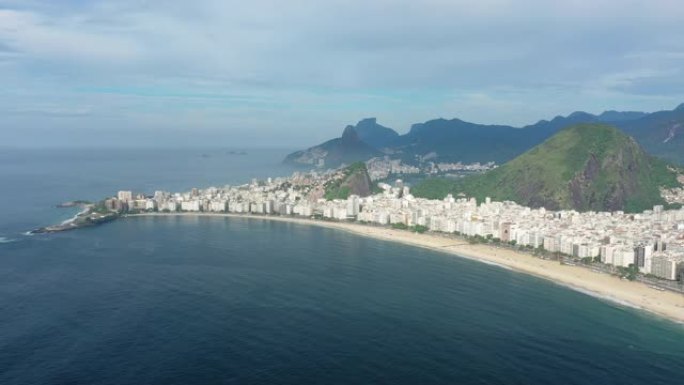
(84, 218)
(84, 210)
(666, 304)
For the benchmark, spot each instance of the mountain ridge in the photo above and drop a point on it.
(585, 167)
(346, 149)
(661, 133)
(375, 134)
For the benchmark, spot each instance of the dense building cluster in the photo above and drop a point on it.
(434, 168)
(673, 195)
(384, 167)
(652, 241)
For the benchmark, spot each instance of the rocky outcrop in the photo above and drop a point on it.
(347, 149)
(352, 180)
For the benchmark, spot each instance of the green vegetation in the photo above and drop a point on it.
(674, 206)
(100, 208)
(354, 180)
(415, 229)
(434, 188)
(584, 167)
(628, 272)
(341, 192)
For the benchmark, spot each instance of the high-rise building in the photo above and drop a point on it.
(125, 196)
(353, 206)
(114, 204)
(639, 256)
(506, 231)
(643, 257)
(664, 267)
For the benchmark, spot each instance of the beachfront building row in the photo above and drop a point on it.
(652, 241)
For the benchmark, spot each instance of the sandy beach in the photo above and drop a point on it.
(666, 304)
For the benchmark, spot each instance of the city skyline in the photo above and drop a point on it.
(649, 242)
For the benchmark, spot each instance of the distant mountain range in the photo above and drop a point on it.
(582, 167)
(347, 149)
(659, 133)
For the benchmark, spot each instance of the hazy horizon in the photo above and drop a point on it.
(211, 144)
(263, 74)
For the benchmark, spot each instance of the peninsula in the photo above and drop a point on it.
(91, 215)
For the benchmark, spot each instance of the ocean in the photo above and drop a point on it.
(208, 300)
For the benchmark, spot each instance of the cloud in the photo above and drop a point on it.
(343, 44)
(51, 111)
(38, 38)
(160, 64)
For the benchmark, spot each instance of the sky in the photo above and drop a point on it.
(273, 73)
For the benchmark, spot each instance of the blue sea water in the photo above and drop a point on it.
(181, 300)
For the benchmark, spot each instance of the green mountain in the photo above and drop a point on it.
(351, 180)
(583, 167)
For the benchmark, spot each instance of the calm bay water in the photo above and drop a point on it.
(241, 301)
